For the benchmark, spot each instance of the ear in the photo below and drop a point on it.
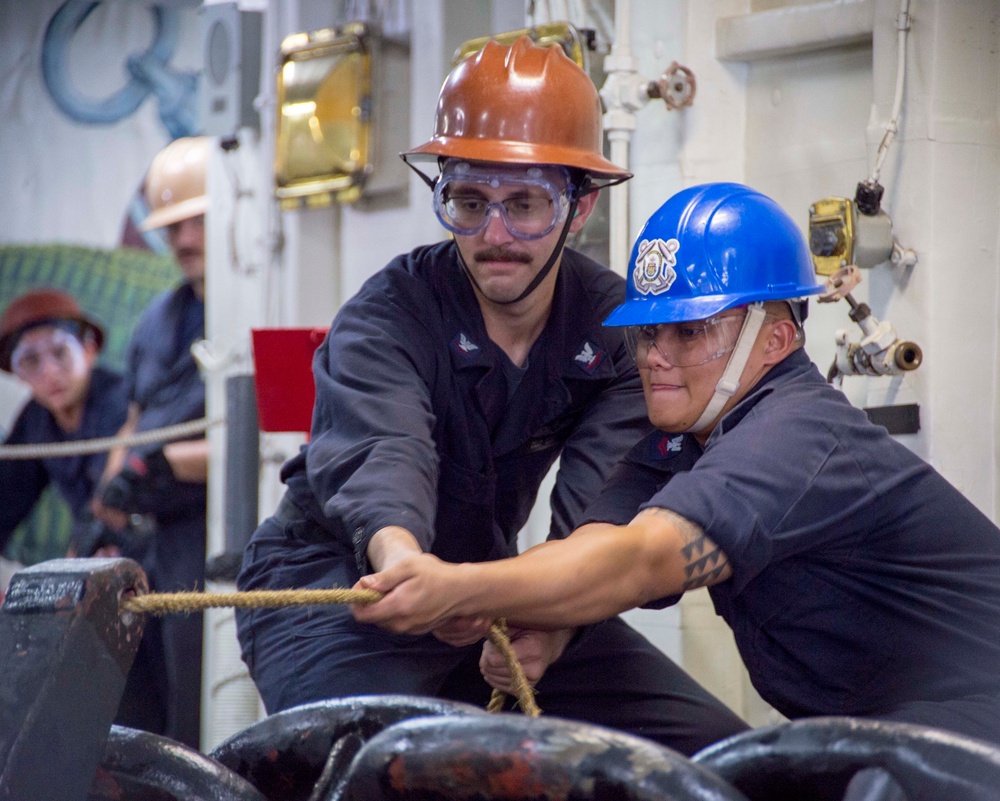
(90, 351)
(782, 340)
(584, 207)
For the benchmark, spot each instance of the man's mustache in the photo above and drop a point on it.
(501, 254)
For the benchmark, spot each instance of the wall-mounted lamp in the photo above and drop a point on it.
(337, 89)
(576, 43)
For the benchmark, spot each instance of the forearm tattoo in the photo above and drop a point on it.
(704, 563)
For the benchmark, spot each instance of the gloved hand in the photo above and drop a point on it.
(90, 536)
(143, 485)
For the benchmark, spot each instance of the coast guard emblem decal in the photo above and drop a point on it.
(654, 266)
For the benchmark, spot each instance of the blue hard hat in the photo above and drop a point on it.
(710, 248)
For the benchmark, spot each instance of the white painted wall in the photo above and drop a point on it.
(64, 181)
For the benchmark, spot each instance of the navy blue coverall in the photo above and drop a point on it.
(165, 385)
(863, 582)
(422, 421)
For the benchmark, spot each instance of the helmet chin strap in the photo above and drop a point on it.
(556, 251)
(729, 383)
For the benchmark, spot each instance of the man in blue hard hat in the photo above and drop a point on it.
(856, 579)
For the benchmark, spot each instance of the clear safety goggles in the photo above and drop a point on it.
(685, 344)
(538, 199)
(56, 346)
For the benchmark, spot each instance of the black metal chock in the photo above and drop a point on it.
(65, 651)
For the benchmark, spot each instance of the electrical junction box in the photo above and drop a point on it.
(899, 419)
(230, 83)
(840, 235)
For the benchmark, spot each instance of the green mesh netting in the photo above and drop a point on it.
(112, 285)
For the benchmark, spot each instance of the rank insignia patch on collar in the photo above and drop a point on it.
(669, 444)
(588, 358)
(464, 346)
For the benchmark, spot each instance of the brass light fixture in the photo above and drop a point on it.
(333, 144)
(572, 41)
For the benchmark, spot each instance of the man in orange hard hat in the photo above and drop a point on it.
(167, 482)
(445, 390)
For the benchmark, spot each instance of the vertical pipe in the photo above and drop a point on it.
(242, 462)
(229, 698)
(619, 123)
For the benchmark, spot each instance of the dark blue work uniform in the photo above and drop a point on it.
(421, 421)
(76, 477)
(165, 385)
(863, 583)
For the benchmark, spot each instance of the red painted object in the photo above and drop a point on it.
(283, 376)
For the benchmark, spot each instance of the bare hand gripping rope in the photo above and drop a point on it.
(179, 602)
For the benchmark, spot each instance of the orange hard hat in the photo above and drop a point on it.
(520, 104)
(175, 182)
(37, 307)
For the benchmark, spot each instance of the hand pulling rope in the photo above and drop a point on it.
(164, 603)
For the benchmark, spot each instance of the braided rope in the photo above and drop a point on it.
(167, 603)
(82, 447)
(164, 603)
(522, 689)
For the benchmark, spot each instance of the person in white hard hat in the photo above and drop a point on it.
(167, 482)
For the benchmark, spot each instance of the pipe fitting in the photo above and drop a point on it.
(881, 352)
(624, 91)
(907, 356)
(676, 87)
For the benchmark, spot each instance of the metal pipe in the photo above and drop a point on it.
(619, 123)
(242, 462)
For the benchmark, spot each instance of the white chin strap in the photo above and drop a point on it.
(730, 381)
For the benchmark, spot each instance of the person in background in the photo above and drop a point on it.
(445, 391)
(167, 482)
(856, 579)
(48, 342)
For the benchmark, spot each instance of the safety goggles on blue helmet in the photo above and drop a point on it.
(686, 344)
(539, 198)
(708, 249)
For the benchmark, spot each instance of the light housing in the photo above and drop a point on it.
(342, 113)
